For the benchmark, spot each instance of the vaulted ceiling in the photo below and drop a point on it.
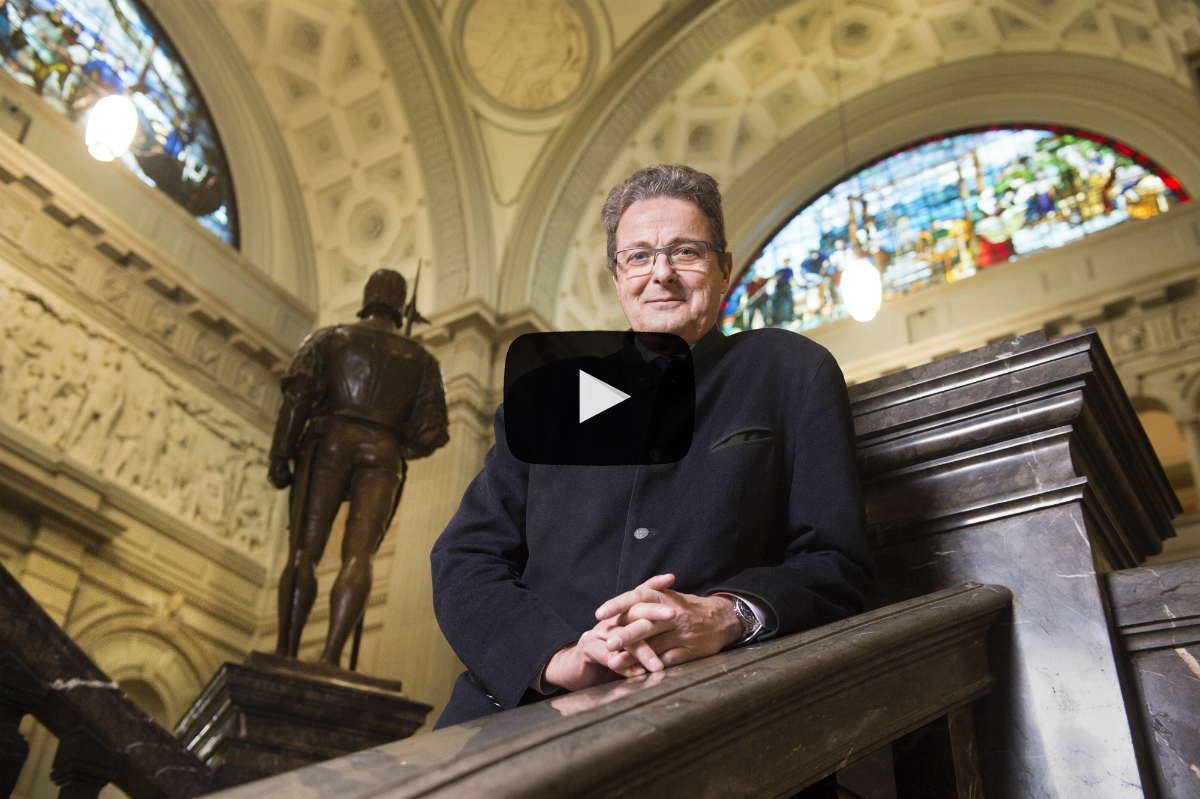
(482, 135)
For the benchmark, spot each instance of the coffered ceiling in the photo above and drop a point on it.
(482, 135)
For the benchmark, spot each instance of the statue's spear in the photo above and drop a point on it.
(411, 314)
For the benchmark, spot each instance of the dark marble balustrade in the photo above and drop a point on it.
(763, 720)
(103, 736)
(1157, 611)
(1023, 464)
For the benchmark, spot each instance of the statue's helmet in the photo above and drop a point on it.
(385, 291)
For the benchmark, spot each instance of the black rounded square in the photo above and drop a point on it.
(599, 398)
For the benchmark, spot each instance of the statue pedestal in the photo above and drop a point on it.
(275, 714)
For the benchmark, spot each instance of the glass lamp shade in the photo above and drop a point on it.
(862, 290)
(110, 127)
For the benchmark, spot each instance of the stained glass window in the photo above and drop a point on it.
(74, 52)
(940, 211)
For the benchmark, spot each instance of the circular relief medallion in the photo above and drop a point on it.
(528, 55)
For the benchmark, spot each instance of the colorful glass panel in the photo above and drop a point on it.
(940, 211)
(73, 52)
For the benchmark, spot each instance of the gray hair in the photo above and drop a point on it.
(664, 180)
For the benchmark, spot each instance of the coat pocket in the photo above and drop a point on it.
(745, 435)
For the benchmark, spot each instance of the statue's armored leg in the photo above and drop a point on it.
(372, 499)
(298, 583)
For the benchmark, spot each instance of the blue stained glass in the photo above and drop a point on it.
(940, 211)
(73, 52)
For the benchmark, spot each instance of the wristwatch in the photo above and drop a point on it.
(750, 623)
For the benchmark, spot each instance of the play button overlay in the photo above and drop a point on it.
(598, 398)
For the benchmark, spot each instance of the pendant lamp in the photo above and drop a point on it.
(110, 127)
(862, 289)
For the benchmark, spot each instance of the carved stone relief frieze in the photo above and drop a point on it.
(527, 56)
(134, 294)
(1131, 338)
(111, 410)
(1187, 321)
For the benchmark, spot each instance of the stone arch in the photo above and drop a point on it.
(563, 190)
(1063, 68)
(148, 698)
(1189, 392)
(1151, 113)
(275, 232)
(135, 646)
(1162, 428)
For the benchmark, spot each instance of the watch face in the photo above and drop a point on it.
(743, 611)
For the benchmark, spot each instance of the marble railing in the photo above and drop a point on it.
(103, 736)
(849, 704)
(1023, 464)
(1157, 614)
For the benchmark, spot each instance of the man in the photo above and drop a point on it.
(814, 264)
(358, 402)
(558, 578)
(783, 304)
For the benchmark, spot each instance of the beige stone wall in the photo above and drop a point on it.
(133, 444)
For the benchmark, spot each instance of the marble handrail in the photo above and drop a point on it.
(1156, 611)
(43, 672)
(764, 720)
(1023, 464)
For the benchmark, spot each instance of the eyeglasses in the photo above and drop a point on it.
(685, 255)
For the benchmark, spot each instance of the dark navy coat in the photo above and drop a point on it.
(765, 504)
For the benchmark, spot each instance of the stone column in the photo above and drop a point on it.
(470, 342)
(52, 567)
(70, 523)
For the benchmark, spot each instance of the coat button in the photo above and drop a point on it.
(641, 533)
(654, 455)
(645, 384)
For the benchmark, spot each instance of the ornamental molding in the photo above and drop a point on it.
(86, 256)
(455, 180)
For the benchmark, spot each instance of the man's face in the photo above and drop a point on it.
(687, 302)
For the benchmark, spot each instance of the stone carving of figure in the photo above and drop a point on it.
(137, 431)
(211, 493)
(359, 400)
(251, 511)
(24, 341)
(99, 411)
(70, 383)
(173, 467)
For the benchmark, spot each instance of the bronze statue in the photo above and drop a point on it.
(359, 401)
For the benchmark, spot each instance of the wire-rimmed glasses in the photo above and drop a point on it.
(683, 255)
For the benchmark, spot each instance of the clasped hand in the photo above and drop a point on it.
(645, 630)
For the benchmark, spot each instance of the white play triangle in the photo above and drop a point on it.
(596, 396)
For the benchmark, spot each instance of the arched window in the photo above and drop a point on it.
(73, 52)
(943, 209)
